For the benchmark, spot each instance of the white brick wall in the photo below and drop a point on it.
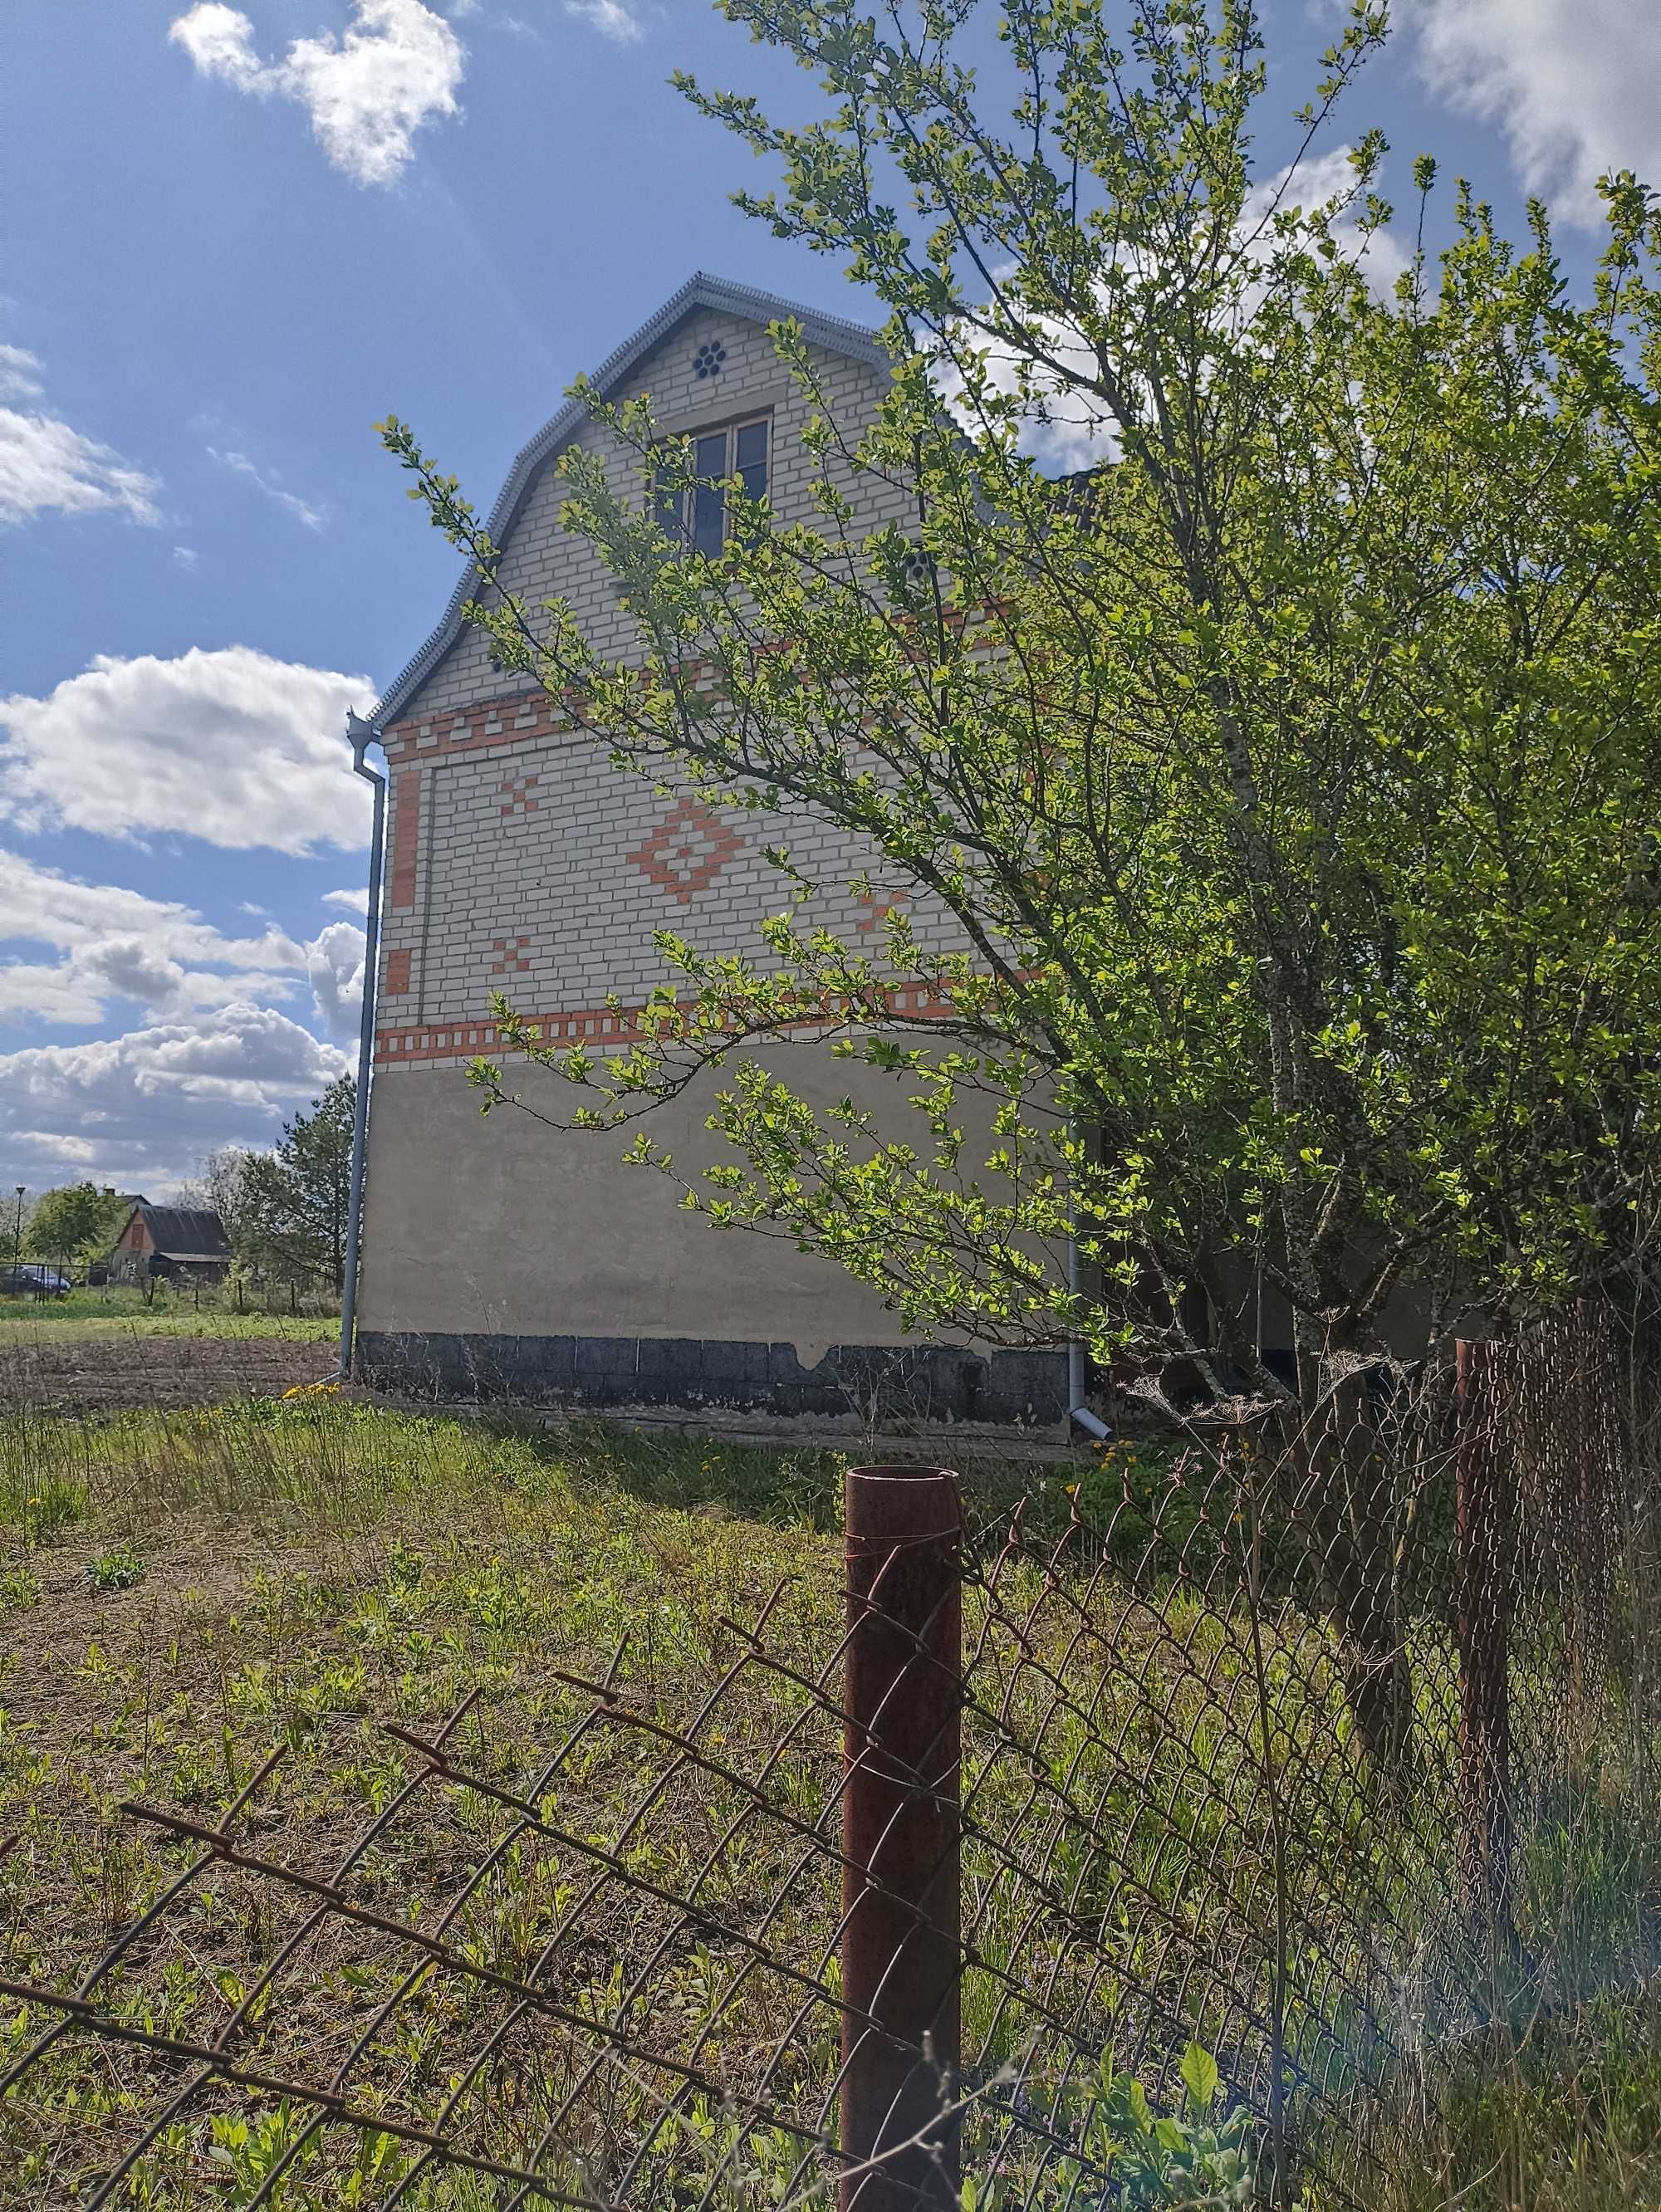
(572, 871)
(570, 865)
(545, 561)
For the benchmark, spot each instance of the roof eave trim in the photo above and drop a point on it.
(700, 291)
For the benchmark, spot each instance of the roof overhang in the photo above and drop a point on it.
(699, 293)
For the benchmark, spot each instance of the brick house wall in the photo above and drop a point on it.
(520, 860)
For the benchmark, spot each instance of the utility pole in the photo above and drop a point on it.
(17, 1228)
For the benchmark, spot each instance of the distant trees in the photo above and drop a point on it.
(217, 1187)
(285, 1211)
(77, 1222)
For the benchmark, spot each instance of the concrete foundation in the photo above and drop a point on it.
(862, 1384)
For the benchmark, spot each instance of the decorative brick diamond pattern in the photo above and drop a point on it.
(516, 795)
(687, 850)
(510, 958)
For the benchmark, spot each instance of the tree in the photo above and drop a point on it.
(291, 1205)
(1293, 783)
(77, 1221)
(217, 1188)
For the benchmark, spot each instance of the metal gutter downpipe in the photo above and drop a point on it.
(362, 735)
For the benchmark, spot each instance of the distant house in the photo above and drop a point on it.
(187, 1242)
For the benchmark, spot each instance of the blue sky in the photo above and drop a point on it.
(239, 236)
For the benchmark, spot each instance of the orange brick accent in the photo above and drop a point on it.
(602, 1025)
(491, 722)
(687, 850)
(506, 721)
(406, 836)
(516, 791)
(398, 970)
(882, 904)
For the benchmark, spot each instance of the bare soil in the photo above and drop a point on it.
(102, 1373)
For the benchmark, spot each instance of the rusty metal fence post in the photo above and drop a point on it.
(902, 1943)
(1484, 1608)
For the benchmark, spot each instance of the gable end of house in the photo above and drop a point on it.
(700, 292)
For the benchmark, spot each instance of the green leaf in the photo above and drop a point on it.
(1202, 2076)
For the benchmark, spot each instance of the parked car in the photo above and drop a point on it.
(30, 1279)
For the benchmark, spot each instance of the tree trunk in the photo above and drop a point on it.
(1343, 1505)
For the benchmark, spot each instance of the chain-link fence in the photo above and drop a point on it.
(1162, 1845)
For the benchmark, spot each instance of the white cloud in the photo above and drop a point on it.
(394, 70)
(220, 41)
(609, 17)
(18, 377)
(334, 963)
(46, 467)
(313, 518)
(229, 745)
(350, 901)
(1318, 182)
(186, 556)
(1065, 427)
(44, 906)
(139, 1111)
(115, 943)
(1573, 85)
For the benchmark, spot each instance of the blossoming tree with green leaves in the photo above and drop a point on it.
(1292, 778)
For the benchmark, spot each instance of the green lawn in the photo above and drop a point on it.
(95, 1313)
(179, 1590)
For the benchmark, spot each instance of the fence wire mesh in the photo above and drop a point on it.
(1318, 1754)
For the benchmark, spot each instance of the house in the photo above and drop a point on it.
(186, 1243)
(500, 1255)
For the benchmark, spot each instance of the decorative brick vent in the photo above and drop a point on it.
(510, 955)
(709, 359)
(687, 850)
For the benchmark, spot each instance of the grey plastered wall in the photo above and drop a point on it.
(503, 1254)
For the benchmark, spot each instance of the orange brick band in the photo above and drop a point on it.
(416, 1043)
(504, 721)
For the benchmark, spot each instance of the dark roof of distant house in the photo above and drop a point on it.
(185, 1233)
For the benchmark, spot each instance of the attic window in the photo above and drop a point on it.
(697, 516)
(708, 360)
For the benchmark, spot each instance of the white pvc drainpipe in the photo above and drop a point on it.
(362, 735)
(1077, 1410)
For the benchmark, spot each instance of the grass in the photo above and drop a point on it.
(180, 1590)
(92, 1314)
(1564, 2118)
